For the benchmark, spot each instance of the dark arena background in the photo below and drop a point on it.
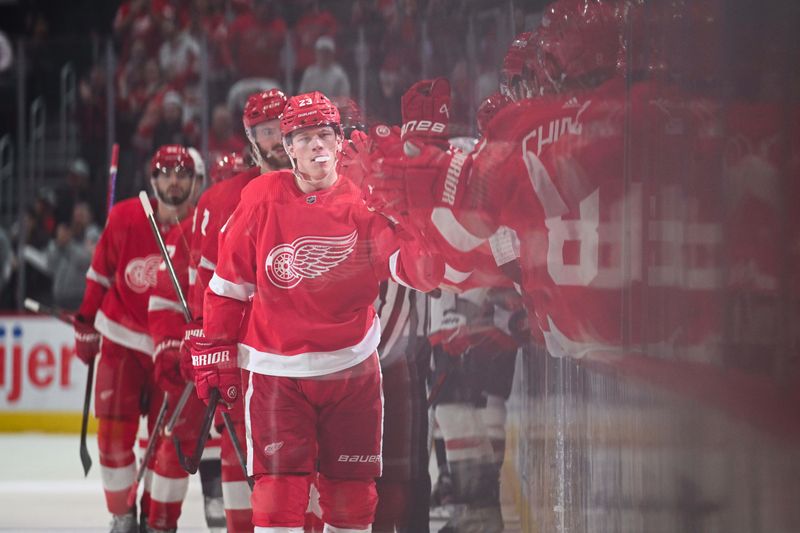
(654, 381)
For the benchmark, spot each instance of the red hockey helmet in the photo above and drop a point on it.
(309, 110)
(350, 115)
(578, 38)
(516, 75)
(171, 156)
(490, 107)
(263, 106)
(226, 166)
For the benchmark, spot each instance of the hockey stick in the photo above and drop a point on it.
(148, 453)
(187, 315)
(112, 178)
(36, 307)
(148, 211)
(188, 464)
(191, 464)
(237, 447)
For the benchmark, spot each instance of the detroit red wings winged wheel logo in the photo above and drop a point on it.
(140, 273)
(307, 258)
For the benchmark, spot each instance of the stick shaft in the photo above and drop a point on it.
(112, 177)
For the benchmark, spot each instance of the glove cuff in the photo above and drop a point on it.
(167, 344)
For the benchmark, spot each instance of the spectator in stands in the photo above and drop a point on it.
(222, 139)
(179, 54)
(74, 189)
(313, 24)
(256, 41)
(133, 22)
(69, 255)
(92, 123)
(170, 128)
(325, 75)
(208, 18)
(384, 102)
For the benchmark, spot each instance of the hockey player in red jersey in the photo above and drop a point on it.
(166, 323)
(554, 169)
(262, 126)
(301, 257)
(114, 309)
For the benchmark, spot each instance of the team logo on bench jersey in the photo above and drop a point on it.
(140, 274)
(307, 258)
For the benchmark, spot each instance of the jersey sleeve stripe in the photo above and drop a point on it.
(393, 270)
(115, 332)
(206, 263)
(453, 232)
(229, 289)
(93, 275)
(451, 275)
(192, 276)
(157, 303)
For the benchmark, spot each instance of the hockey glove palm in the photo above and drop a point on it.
(87, 339)
(215, 367)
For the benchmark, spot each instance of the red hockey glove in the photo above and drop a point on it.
(411, 187)
(426, 114)
(386, 141)
(192, 329)
(87, 339)
(355, 160)
(215, 367)
(167, 367)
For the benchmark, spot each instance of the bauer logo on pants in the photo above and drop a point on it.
(307, 257)
(359, 458)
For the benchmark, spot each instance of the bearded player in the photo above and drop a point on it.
(112, 321)
(262, 127)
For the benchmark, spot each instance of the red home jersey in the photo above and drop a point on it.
(164, 310)
(213, 210)
(613, 242)
(307, 268)
(121, 277)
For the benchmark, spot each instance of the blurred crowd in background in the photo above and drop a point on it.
(142, 61)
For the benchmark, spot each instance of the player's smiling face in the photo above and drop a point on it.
(315, 150)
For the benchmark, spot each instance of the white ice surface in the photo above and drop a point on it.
(42, 487)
